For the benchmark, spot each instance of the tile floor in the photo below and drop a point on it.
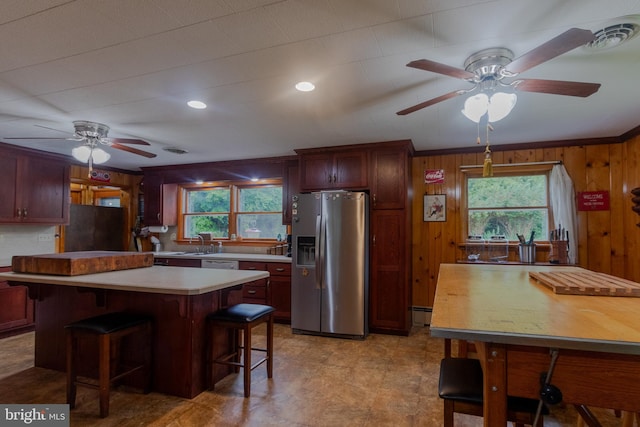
(318, 381)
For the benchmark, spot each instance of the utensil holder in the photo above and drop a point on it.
(527, 253)
(559, 252)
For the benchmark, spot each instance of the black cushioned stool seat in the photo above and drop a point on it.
(108, 330)
(242, 318)
(461, 387)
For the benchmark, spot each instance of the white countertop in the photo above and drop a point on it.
(226, 256)
(156, 279)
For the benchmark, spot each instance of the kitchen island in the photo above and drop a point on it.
(178, 298)
(517, 325)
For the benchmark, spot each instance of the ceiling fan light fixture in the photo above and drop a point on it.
(81, 153)
(99, 156)
(475, 107)
(501, 105)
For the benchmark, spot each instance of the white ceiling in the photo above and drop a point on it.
(133, 64)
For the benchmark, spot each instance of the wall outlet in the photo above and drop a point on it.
(45, 238)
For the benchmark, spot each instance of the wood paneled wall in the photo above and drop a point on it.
(608, 241)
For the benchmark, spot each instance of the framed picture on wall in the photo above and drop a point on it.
(435, 207)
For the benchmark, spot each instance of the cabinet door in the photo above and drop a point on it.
(160, 201)
(16, 315)
(45, 194)
(280, 290)
(389, 179)
(316, 172)
(389, 281)
(350, 170)
(8, 194)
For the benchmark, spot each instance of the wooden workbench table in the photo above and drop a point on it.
(515, 321)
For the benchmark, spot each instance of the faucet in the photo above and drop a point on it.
(201, 240)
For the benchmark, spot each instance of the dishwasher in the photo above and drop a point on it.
(219, 264)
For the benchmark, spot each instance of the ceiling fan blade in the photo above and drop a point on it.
(436, 67)
(430, 102)
(563, 43)
(35, 137)
(132, 150)
(557, 87)
(127, 141)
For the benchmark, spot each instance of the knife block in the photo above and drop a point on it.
(559, 253)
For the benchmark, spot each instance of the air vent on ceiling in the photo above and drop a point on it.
(175, 150)
(615, 33)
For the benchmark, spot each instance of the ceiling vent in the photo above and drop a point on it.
(175, 150)
(615, 33)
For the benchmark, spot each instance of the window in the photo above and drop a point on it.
(247, 210)
(508, 205)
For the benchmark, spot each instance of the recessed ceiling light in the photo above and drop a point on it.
(198, 105)
(305, 86)
(254, 180)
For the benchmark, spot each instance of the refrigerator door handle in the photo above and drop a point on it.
(318, 263)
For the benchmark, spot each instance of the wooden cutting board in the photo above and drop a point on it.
(587, 283)
(77, 263)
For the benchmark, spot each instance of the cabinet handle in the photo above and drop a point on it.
(158, 216)
(24, 212)
(251, 292)
(374, 239)
(279, 269)
(335, 178)
(18, 212)
(329, 178)
(251, 268)
(374, 200)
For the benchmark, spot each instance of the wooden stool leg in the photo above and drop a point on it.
(247, 361)
(148, 360)
(237, 339)
(448, 413)
(270, 347)
(104, 349)
(72, 349)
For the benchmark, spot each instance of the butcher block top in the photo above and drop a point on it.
(77, 263)
(155, 279)
(503, 304)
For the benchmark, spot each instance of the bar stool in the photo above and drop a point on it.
(241, 318)
(461, 388)
(108, 330)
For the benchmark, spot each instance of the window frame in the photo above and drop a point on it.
(234, 188)
(503, 171)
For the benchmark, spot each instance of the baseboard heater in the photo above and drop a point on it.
(421, 315)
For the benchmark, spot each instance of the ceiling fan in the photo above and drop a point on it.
(488, 69)
(92, 135)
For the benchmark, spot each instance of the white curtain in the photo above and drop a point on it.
(563, 205)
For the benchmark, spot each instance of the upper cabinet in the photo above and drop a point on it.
(389, 168)
(34, 189)
(160, 201)
(326, 169)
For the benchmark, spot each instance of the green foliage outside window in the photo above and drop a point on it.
(257, 213)
(508, 205)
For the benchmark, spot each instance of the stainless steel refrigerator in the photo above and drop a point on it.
(330, 264)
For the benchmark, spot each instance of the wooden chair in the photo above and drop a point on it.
(461, 388)
(242, 318)
(108, 330)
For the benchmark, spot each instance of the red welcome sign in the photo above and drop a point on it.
(434, 176)
(593, 201)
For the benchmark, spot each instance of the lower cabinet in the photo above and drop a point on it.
(275, 291)
(16, 314)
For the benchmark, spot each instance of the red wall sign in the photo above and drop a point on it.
(593, 201)
(434, 176)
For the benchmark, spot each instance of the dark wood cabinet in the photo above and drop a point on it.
(33, 189)
(160, 201)
(390, 290)
(389, 168)
(333, 169)
(16, 315)
(275, 291)
(390, 231)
